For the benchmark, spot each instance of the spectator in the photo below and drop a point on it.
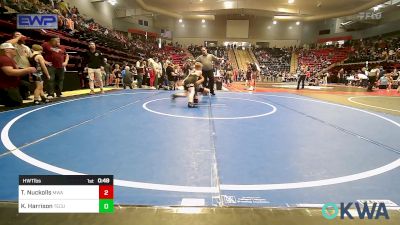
(63, 7)
(383, 82)
(128, 78)
(10, 76)
(107, 70)
(22, 60)
(373, 75)
(170, 73)
(56, 55)
(74, 10)
(159, 73)
(140, 72)
(95, 61)
(117, 74)
(398, 84)
(152, 72)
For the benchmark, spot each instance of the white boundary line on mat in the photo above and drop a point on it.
(192, 189)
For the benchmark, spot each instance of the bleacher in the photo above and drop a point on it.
(232, 59)
(322, 58)
(221, 52)
(71, 44)
(178, 55)
(273, 59)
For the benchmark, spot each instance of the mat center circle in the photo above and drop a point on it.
(220, 110)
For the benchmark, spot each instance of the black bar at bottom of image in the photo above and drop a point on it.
(66, 179)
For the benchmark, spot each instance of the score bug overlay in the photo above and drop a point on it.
(66, 194)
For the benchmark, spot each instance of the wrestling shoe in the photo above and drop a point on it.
(191, 105)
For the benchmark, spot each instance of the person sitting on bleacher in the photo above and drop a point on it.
(10, 76)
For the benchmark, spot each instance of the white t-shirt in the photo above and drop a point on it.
(23, 53)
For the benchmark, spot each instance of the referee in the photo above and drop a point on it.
(94, 60)
(301, 77)
(208, 70)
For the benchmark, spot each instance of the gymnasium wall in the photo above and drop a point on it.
(389, 23)
(237, 28)
(101, 12)
(261, 29)
(272, 43)
(123, 25)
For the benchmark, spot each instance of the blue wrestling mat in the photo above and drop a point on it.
(235, 149)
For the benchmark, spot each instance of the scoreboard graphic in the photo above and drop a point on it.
(66, 194)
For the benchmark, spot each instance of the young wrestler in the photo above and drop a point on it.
(38, 62)
(192, 84)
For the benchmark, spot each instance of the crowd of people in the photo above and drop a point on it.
(149, 71)
(47, 63)
(375, 76)
(375, 49)
(44, 65)
(274, 62)
(219, 51)
(78, 26)
(318, 61)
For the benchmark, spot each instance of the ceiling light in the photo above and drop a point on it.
(201, 0)
(203, 20)
(269, 27)
(346, 23)
(183, 25)
(274, 22)
(298, 23)
(287, 17)
(291, 1)
(112, 2)
(376, 8)
(180, 20)
(290, 27)
(228, 4)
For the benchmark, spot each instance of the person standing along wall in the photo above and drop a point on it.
(107, 70)
(152, 72)
(158, 69)
(10, 76)
(373, 76)
(117, 74)
(22, 61)
(95, 61)
(56, 55)
(140, 72)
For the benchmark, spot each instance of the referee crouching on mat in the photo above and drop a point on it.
(94, 60)
(208, 70)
